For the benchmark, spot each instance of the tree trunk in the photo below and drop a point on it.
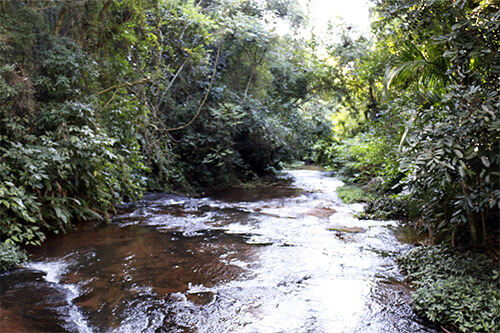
(60, 21)
(248, 85)
(473, 219)
(373, 103)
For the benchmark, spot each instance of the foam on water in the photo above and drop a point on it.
(54, 270)
(261, 260)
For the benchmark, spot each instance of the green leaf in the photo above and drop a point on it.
(485, 161)
(458, 153)
(19, 201)
(61, 213)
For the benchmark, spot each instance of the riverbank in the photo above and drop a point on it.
(457, 289)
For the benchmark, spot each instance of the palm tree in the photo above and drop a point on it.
(410, 65)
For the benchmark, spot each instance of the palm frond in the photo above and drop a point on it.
(410, 65)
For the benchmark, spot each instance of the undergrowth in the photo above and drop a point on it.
(455, 288)
(384, 208)
(11, 255)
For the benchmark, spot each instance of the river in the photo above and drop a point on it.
(290, 257)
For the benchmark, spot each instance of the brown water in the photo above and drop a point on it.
(287, 258)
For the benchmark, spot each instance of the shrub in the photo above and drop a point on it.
(361, 159)
(394, 207)
(454, 287)
(10, 255)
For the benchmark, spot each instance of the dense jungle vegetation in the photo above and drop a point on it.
(101, 101)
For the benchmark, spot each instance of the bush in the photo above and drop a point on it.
(361, 159)
(50, 180)
(395, 207)
(59, 160)
(11, 255)
(454, 287)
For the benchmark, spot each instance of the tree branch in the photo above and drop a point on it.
(126, 84)
(204, 99)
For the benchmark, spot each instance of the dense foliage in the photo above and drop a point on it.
(103, 100)
(11, 255)
(422, 116)
(457, 288)
(417, 128)
(389, 208)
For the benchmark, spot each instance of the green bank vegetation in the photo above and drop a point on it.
(460, 288)
(418, 118)
(101, 101)
(418, 127)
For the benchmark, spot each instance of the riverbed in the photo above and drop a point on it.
(287, 257)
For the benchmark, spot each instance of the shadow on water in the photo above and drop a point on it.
(245, 260)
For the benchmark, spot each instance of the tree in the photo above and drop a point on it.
(453, 147)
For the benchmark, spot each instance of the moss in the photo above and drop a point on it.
(353, 193)
(351, 230)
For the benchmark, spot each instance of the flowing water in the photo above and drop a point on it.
(284, 258)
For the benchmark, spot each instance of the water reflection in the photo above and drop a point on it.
(260, 260)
